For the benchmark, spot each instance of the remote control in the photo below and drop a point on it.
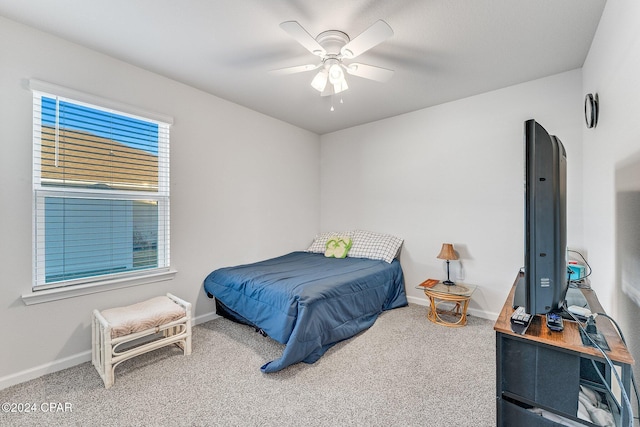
(554, 322)
(520, 317)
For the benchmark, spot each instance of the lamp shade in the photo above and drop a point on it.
(447, 252)
(319, 82)
(340, 86)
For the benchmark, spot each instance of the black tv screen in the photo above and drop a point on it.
(545, 275)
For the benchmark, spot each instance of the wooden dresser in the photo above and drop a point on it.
(544, 369)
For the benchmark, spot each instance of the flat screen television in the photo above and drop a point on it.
(545, 281)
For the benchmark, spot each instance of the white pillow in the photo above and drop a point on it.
(367, 244)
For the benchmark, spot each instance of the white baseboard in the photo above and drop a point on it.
(47, 368)
(204, 318)
(70, 361)
(418, 301)
(470, 311)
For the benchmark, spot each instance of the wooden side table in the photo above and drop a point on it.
(458, 294)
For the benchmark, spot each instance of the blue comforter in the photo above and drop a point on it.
(307, 301)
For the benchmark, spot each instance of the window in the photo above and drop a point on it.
(101, 192)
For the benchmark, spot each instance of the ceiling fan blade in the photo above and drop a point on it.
(301, 35)
(296, 69)
(369, 72)
(372, 36)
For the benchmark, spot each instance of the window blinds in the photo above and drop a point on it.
(101, 192)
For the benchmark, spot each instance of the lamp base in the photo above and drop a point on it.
(448, 282)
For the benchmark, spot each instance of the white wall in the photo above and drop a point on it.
(612, 167)
(611, 70)
(244, 187)
(454, 173)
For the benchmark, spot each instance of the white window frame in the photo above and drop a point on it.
(42, 292)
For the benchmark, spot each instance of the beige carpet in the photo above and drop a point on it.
(403, 371)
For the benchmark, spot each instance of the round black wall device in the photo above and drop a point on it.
(591, 110)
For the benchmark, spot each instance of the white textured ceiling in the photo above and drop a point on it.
(441, 50)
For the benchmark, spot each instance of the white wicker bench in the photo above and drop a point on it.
(168, 317)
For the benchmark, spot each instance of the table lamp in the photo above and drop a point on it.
(447, 253)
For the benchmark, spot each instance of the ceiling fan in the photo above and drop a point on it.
(333, 47)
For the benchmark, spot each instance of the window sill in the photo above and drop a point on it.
(47, 295)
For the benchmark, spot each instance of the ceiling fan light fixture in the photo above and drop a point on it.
(335, 74)
(340, 86)
(319, 82)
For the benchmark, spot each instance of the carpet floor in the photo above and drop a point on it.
(403, 371)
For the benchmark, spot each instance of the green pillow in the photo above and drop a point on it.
(338, 247)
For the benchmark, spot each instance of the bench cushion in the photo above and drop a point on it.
(142, 316)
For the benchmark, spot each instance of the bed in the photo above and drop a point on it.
(307, 301)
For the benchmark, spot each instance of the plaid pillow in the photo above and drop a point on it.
(374, 246)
